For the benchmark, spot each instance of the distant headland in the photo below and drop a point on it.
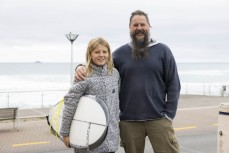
(37, 62)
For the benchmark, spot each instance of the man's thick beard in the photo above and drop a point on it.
(140, 47)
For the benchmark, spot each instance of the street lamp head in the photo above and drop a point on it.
(71, 37)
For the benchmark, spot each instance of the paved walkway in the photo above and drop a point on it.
(34, 135)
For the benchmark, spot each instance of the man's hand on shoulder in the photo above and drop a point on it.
(80, 72)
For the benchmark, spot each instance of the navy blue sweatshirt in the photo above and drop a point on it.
(150, 88)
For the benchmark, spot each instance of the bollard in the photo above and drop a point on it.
(223, 129)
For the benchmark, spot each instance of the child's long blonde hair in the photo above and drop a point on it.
(91, 47)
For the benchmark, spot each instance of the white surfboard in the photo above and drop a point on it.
(89, 124)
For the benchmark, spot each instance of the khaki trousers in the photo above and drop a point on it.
(160, 132)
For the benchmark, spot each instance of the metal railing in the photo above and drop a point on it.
(47, 98)
(206, 89)
(31, 99)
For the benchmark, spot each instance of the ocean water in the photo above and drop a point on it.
(51, 81)
(34, 76)
(204, 72)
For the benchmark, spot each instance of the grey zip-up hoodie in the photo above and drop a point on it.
(105, 87)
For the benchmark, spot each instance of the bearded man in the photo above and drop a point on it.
(149, 90)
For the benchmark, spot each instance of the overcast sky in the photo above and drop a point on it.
(34, 30)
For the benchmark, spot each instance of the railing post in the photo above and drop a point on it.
(223, 90)
(186, 88)
(204, 88)
(8, 99)
(42, 95)
(209, 89)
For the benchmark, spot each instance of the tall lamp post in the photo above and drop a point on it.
(71, 37)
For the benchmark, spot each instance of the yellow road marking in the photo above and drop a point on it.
(184, 128)
(31, 143)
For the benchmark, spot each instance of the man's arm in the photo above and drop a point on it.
(172, 86)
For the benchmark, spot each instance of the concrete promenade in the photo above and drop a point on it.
(196, 117)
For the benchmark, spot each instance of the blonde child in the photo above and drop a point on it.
(103, 81)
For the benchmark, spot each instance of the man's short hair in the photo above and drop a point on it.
(139, 12)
